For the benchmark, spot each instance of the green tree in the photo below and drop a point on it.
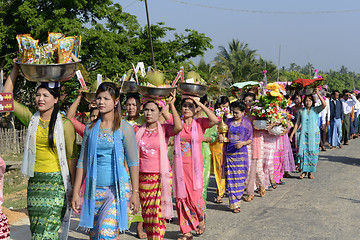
(111, 38)
(239, 63)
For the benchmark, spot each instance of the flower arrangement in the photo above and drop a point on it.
(271, 107)
(222, 113)
(315, 84)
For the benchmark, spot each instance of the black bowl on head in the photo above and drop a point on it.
(128, 87)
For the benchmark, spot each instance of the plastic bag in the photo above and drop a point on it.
(28, 46)
(65, 48)
(53, 37)
(77, 46)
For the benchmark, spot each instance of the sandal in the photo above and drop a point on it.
(236, 210)
(281, 182)
(273, 185)
(287, 175)
(200, 229)
(302, 175)
(262, 192)
(249, 198)
(310, 176)
(141, 235)
(218, 199)
(185, 237)
(140, 231)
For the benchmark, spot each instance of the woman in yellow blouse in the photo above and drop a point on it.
(49, 154)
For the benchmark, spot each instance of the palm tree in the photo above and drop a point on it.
(236, 64)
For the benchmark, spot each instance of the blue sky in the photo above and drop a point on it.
(326, 40)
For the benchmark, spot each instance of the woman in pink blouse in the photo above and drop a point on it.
(188, 166)
(155, 175)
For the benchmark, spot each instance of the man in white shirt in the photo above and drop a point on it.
(324, 121)
(348, 101)
(354, 117)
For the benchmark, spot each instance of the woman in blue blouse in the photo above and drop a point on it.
(107, 140)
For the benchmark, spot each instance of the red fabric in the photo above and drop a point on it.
(306, 82)
(79, 126)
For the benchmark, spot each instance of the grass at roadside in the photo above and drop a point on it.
(15, 185)
(12, 157)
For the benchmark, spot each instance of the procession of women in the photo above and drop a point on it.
(145, 153)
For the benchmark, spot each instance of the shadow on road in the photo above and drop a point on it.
(20, 232)
(341, 159)
(350, 199)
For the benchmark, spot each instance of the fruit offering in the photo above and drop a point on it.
(194, 77)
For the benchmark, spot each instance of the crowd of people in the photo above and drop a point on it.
(123, 174)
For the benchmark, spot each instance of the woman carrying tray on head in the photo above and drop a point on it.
(309, 139)
(293, 109)
(79, 126)
(133, 117)
(210, 136)
(133, 107)
(256, 154)
(188, 167)
(106, 142)
(155, 177)
(49, 160)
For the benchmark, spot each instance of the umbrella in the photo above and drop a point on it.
(244, 84)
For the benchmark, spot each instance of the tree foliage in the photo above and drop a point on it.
(111, 38)
(239, 63)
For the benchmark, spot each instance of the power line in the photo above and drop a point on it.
(130, 4)
(268, 12)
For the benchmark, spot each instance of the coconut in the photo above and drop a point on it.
(93, 87)
(193, 75)
(155, 78)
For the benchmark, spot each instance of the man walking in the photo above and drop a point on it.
(336, 120)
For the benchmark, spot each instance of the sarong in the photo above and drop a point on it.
(46, 204)
(217, 163)
(308, 163)
(190, 210)
(255, 177)
(105, 221)
(4, 227)
(206, 172)
(150, 199)
(279, 156)
(236, 174)
(268, 163)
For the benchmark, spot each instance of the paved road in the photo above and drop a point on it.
(327, 207)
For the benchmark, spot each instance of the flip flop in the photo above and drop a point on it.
(237, 210)
(282, 182)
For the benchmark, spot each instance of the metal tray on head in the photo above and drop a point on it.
(128, 87)
(48, 72)
(155, 92)
(89, 96)
(193, 89)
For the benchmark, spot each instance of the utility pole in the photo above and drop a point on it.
(149, 29)
(278, 75)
